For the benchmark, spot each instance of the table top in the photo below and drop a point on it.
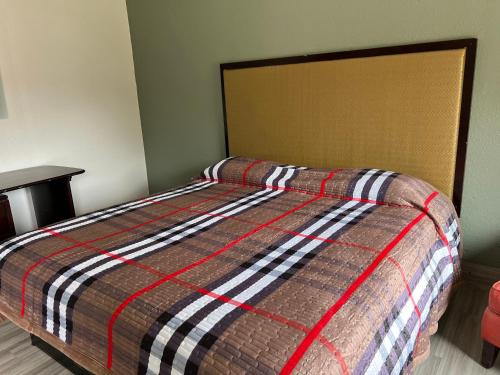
(22, 178)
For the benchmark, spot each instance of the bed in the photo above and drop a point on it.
(321, 261)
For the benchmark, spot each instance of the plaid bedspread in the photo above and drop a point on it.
(255, 267)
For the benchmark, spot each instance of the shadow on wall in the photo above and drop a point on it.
(3, 102)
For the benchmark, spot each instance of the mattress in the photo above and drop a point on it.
(254, 267)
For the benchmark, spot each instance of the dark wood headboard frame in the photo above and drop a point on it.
(470, 46)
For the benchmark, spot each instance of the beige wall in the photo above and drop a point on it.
(178, 46)
(68, 79)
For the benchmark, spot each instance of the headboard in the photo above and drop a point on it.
(401, 108)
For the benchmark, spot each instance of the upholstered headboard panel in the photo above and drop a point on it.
(403, 108)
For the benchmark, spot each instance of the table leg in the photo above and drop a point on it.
(7, 228)
(53, 201)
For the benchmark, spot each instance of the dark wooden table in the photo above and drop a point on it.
(50, 191)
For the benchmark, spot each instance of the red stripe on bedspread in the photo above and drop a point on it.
(320, 324)
(245, 173)
(278, 318)
(170, 276)
(83, 244)
(295, 190)
(186, 284)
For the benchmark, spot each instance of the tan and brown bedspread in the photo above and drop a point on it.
(255, 267)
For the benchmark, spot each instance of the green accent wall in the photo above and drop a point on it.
(178, 46)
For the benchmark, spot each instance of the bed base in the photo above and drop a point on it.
(58, 356)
